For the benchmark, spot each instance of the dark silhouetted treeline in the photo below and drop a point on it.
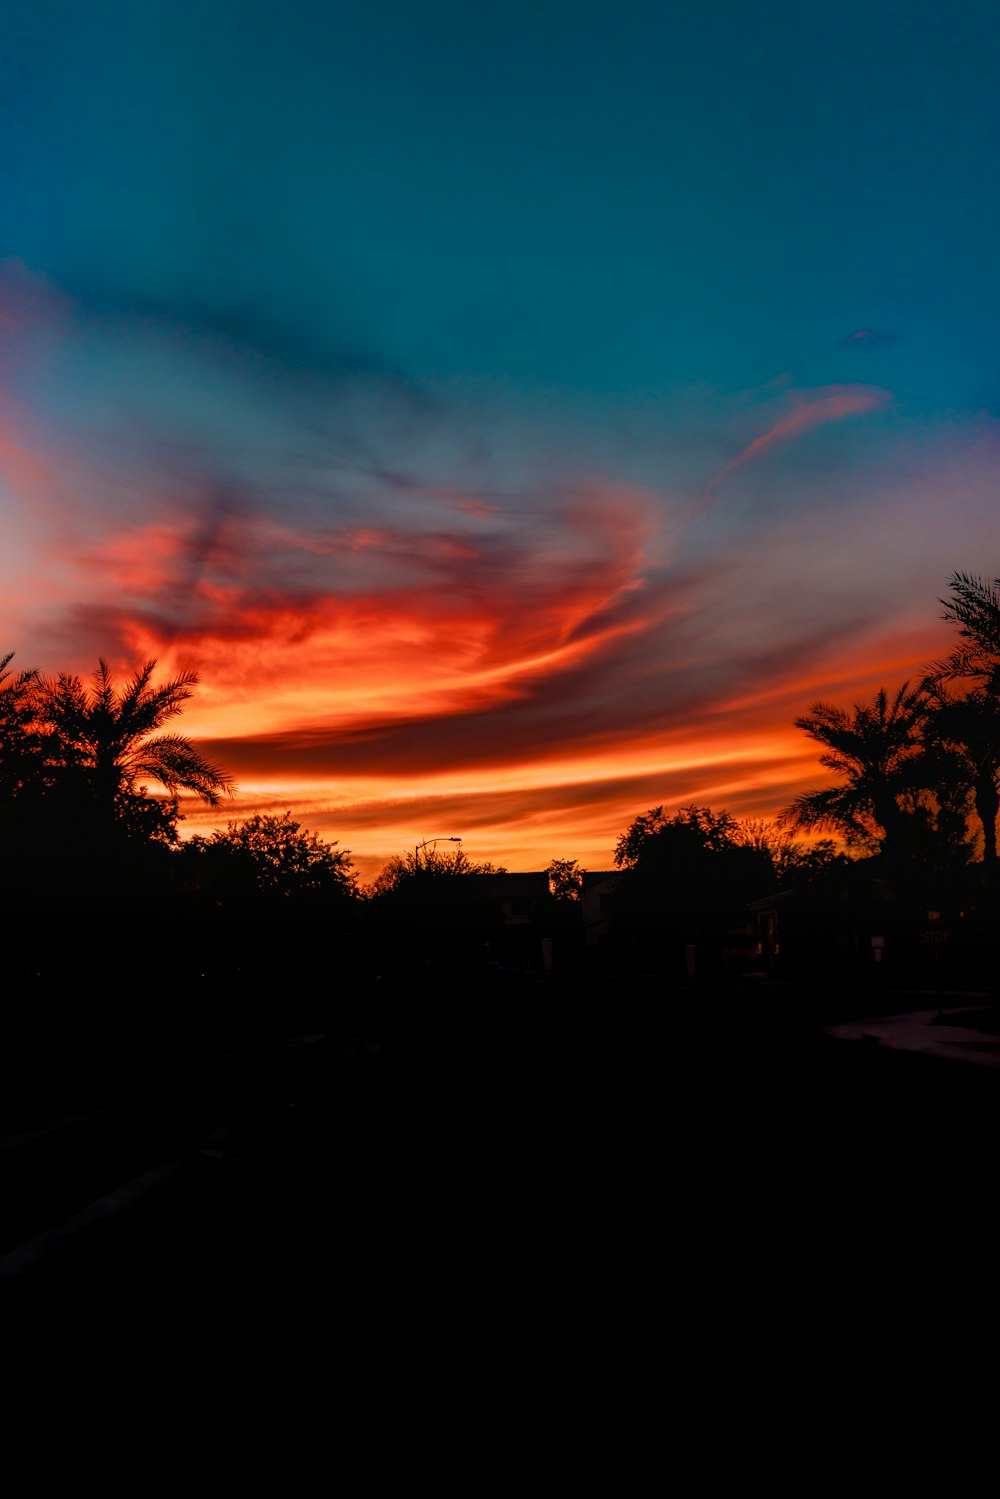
(908, 890)
(103, 902)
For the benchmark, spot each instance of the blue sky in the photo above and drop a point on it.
(696, 304)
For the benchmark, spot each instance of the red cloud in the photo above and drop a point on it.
(372, 624)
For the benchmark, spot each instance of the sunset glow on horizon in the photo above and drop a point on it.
(516, 427)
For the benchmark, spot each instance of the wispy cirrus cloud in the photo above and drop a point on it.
(808, 409)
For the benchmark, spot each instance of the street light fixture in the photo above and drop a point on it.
(426, 842)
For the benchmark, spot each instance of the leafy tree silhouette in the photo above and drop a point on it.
(659, 833)
(565, 879)
(266, 902)
(409, 873)
(687, 875)
(427, 907)
(275, 856)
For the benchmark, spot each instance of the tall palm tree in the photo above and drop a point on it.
(876, 750)
(106, 739)
(968, 724)
(967, 732)
(975, 608)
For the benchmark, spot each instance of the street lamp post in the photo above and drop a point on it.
(426, 842)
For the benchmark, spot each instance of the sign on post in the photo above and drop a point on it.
(936, 939)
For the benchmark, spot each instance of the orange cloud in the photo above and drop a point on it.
(461, 621)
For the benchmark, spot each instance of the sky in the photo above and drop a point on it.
(518, 414)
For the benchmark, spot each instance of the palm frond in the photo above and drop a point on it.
(836, 808)
(104, 688)
(105, 734)
(175, 764)
(975, 608)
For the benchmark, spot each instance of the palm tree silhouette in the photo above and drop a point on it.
(875, 748)
(967, 732)
(18, 708)
(969, 725)
(105, 737)
(975, 608)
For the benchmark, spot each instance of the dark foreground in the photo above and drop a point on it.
(433, 1164)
